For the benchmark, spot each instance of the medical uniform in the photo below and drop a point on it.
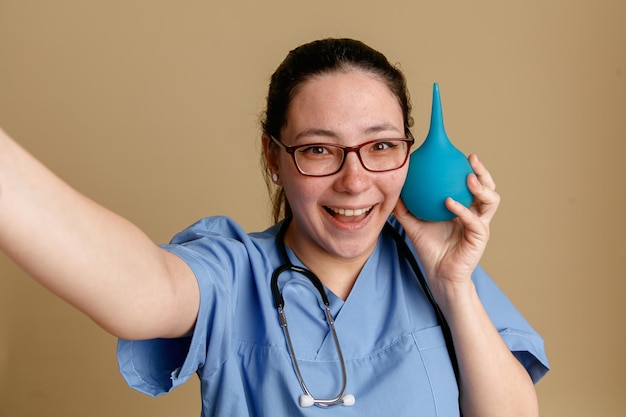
(395, 354)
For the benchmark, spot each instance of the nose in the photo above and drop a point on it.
(353, 177)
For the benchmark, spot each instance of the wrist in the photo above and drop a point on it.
(455, 297)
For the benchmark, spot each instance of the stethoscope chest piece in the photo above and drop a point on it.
(307, 401)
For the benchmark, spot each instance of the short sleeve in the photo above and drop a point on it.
(523, 341)
(156, 366)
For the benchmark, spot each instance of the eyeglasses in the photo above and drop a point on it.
(323, 159)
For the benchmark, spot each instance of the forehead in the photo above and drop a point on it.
(343, 76)
(344, 99)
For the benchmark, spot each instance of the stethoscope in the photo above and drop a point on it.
(307, 399)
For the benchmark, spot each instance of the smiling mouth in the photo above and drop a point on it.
(349, 212)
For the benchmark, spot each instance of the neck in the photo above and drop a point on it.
(339, 279)
(336, 273)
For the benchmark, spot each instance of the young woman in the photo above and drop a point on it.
(364, 335)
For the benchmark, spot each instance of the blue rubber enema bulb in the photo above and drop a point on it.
(437, 170)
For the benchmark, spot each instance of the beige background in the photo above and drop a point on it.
(151, 108)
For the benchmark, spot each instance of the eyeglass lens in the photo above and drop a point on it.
(327, 159)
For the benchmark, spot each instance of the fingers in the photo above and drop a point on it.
(470, 228)
(486, 199)
(482, 185)
(484, 177)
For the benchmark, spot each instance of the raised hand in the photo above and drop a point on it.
(451, 250)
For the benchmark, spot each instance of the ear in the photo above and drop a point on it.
(270, 152)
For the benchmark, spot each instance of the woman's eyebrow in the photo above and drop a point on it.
(315, 132)
(319, 132)
(383, 127)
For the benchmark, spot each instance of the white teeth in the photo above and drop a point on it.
(351, 212)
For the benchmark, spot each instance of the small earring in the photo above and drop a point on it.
(274, 177)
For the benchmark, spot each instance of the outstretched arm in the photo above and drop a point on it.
(89, 256)
(492, 381)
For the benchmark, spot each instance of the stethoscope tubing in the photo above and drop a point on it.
(280, 304)
(441, 320)
(279, 301)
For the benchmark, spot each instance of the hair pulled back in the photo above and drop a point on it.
(314, 59)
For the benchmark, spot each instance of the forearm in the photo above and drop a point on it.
(89, 256)
(492, 380)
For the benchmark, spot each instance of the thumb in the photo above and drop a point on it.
(400, 210)
(409, 222)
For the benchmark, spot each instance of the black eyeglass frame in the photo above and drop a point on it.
(345, 150)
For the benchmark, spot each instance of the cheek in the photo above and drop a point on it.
(286, 170)
(392, 189)
(300, 190)
(393, 186)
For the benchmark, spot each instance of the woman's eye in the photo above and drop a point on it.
(382, 146)
(315, 150)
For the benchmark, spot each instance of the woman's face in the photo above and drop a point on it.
(342, 214)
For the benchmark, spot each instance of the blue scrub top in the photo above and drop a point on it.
(394, 351)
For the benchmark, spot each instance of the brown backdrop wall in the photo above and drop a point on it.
(151, 107)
